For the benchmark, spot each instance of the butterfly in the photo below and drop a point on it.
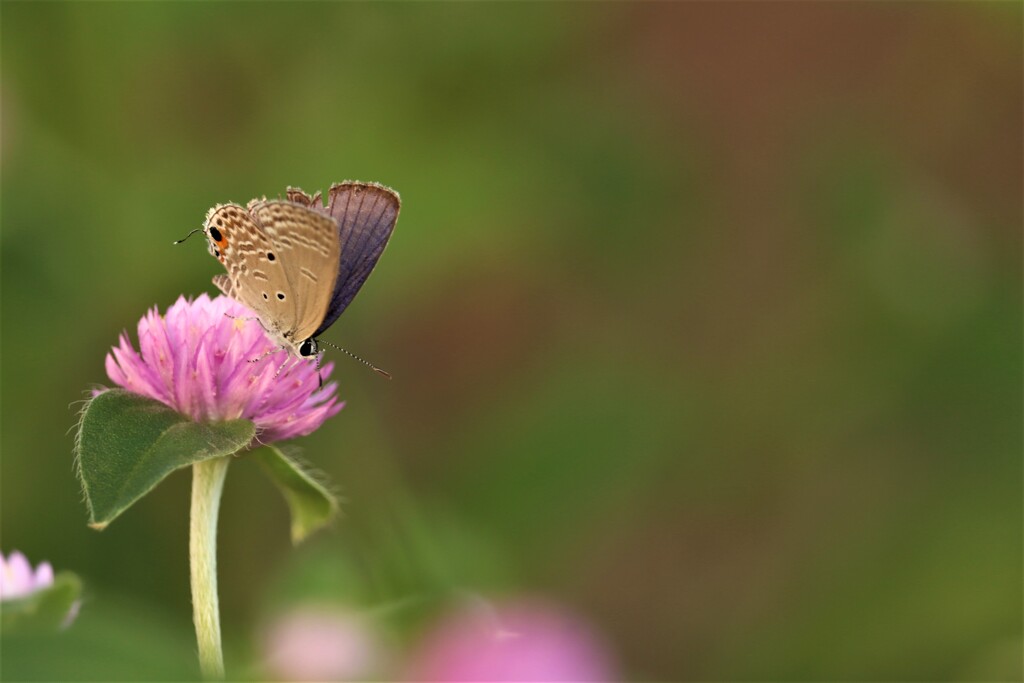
(297, 263)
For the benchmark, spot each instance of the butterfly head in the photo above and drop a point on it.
(308, 348)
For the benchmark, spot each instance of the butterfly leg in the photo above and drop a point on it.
(281, 368)
(274, 350)
(235, 317)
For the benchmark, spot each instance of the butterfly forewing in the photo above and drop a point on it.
(365, 214)
(303, 261)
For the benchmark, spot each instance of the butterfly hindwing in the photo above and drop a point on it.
(237, 242)
(223, 283)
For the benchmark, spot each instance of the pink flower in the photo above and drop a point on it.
(17, 579)
(196, 360)
(521, 641)
(316, 644)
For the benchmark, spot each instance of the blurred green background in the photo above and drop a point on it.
(705, 320)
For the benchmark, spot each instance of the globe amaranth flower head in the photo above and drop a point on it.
(18, 579)
(197, 358)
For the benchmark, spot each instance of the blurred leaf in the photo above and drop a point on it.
(311, 504)
(128, 443)
(44, 610)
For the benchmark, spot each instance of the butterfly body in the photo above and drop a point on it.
(297, 263)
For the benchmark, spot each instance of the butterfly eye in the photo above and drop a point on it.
(308, 348)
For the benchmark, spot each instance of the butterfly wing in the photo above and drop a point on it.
(238, 242)
(304, 260)
(366, 214)
(223, 283)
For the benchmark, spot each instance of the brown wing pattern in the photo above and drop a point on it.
(305, 253)
(237, 241)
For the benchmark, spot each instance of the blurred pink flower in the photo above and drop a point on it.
(316, 644)
(520, 641)
(17, 579)
(195, 359)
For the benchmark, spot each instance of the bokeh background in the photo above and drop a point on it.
(705, 322)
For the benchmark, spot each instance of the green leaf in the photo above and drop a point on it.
(311, 504)
(128, 443)
(44, 610)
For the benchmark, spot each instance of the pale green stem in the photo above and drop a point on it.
(207, 484)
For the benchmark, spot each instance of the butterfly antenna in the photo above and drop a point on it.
(382, 373)
(188, 235)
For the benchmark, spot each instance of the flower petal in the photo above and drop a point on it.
(18, 576)
(44, 576)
